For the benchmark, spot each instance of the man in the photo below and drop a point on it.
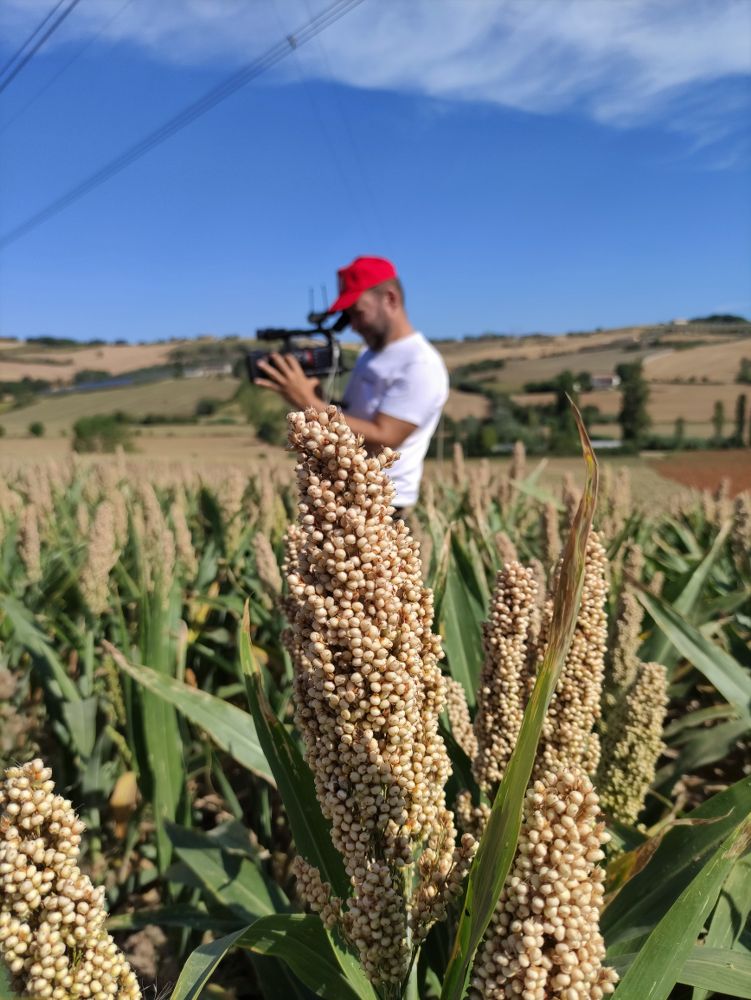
(399, 384)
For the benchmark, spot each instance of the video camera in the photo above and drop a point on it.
(319, 361)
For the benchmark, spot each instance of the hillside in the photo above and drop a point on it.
(690, 367)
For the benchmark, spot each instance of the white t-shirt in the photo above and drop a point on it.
(406, 380)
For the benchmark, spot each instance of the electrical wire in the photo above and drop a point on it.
(30, 39)
(329, 142)
(359, 160)
(76, 55)
(182, 119)
(30, 55)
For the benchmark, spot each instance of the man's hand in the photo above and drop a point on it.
(286, 377)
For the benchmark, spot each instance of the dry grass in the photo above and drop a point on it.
(162, 447)
(515, 374)
(695, 403)
(719, 362)
(54, 364)
(466, 404)
(532, 348)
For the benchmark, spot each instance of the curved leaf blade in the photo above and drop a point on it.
(658, 964)
(497, 847)
(228, 726)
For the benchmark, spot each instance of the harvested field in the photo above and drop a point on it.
(163, 447)
(719, 362)
(695, 403)
(533, 347)
(19, 361)
(516, 373)
(466, 404)
(705, 470)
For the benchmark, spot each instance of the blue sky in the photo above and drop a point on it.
(529, 166)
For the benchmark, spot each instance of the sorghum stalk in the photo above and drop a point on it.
(368, 692)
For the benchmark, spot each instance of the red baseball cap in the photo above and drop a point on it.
(354, 279)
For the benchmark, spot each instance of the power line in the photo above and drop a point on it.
(364, 173)
(188, 115)
(76, 55)
(37, 46)
(30, 39)
(330, 144)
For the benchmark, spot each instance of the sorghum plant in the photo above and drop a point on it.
(368, 692)
(52, 935)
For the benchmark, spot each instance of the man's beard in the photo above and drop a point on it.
(375, 338)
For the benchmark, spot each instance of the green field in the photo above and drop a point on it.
(172, 398)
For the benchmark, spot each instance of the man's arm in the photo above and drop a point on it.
(287, 378)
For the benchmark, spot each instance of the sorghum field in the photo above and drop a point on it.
(259, 740)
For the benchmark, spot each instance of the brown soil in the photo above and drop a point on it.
(705, 470)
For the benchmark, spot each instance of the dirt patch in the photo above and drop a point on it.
(705, 470)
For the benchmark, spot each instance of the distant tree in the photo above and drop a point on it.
(36, 429)
(488, 438)
(740, 419)
(744, 372)
(679, 434)
(91, 375)
(564, 435)
(633, 416)
(718, 420)
(2, 431)
(206, 407)
(102, 433)
(719, 318)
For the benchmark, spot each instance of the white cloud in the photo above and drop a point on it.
(621, 62)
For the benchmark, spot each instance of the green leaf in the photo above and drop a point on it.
(718, 970)
(472, 571)
(498, 843)
(647, 897)
(6, 993)
(177, 915)
(28, 634)
(460, 614)
(228, 726)
(160, 747)
(310, 830)
(275, 980)
(659, 648)
(700, 747)
(229, 879)
(301, 941)
(720, 669)
(729, 919)
(200, 964)
(658, 964)
(80, 717)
